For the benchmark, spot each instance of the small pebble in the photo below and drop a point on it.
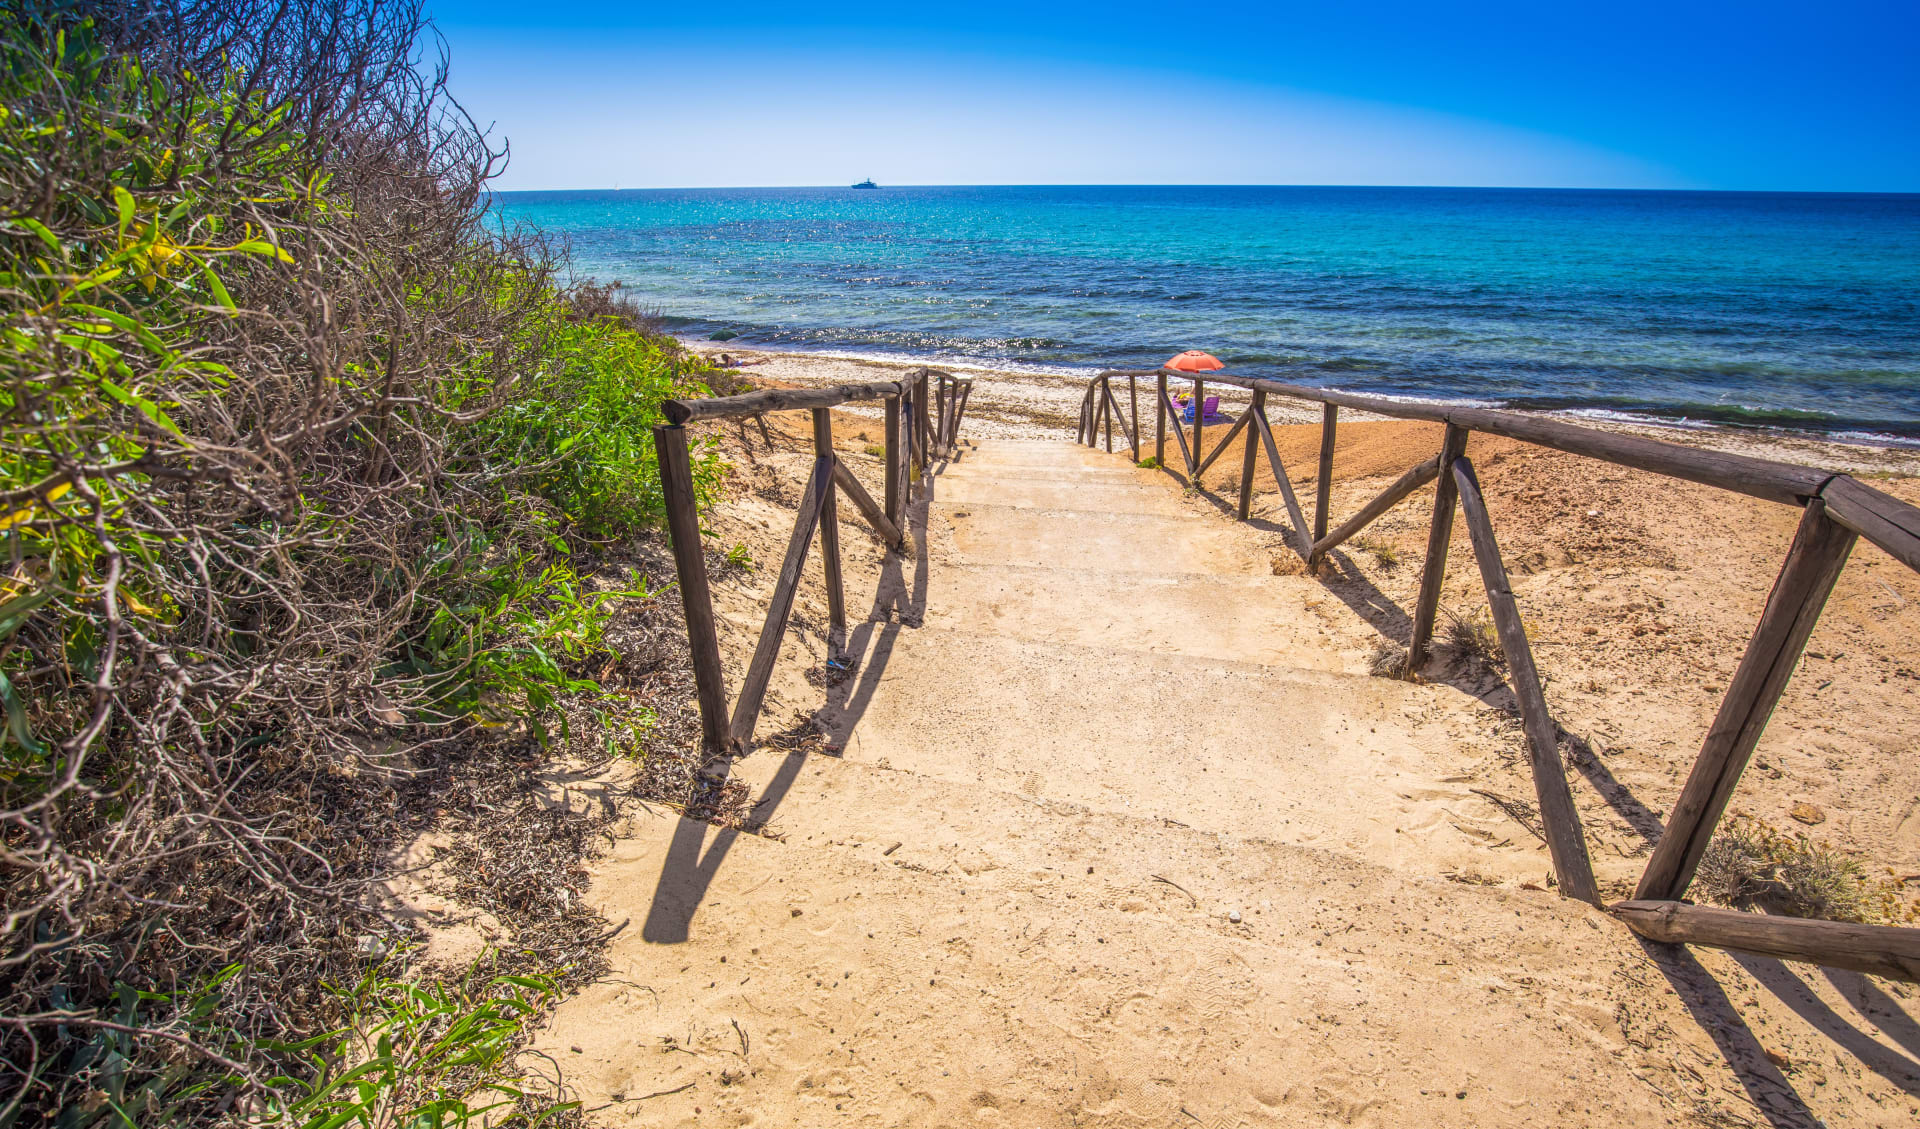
(1233, 916)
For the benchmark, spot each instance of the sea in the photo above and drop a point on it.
(1733, 309)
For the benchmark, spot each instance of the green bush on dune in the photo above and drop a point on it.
(297, 456)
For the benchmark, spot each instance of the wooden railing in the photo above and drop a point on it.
(923, 414)
(1837, 510)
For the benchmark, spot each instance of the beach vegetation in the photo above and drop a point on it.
(1382, 550)
(1388, 660)
(1473, 637)
(307, 473)
(1749, 865)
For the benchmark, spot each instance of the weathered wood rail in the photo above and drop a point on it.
(1838, 510)
(923, 412)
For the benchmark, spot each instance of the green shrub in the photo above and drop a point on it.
(298, 460)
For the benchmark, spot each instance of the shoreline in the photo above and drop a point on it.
(1012, 404)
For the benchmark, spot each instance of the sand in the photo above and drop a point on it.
(1110, 826)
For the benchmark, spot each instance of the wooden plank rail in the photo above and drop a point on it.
(1813, 564)
(775, 400)
(1880, 518)
(1246, 418)
(1881, 950)
(1565, 842)
(1302, 542)
(1788, 483)
(1406, 484)
(753, 690)
(1439, 536)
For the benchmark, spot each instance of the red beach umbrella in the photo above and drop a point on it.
(1193, 360)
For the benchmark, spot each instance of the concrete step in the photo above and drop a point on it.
(1325, 759)
(1097, 541)
(1257, 619)
(1077, 491)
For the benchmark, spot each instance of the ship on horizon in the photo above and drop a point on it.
(867, 183)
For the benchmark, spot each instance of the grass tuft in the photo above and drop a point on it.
(1474, 638)
(1751, 866)
(1383, 551)
(1389, 660)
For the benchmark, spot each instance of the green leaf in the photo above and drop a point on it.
(14, 613)
(146, 407)
(17, 719)
(123, 200)
(129, 325)
(219, 289)
(262, 247)
(40, 229)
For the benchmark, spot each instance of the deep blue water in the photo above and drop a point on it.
(1761, 309)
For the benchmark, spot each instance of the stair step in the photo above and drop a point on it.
(1057, 493)
(1101, 541)
(1255, 619)
(1287, 754)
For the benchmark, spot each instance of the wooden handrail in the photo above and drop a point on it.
(1884, 520)
(913, 430)
(1838, 509)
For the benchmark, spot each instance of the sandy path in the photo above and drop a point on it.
(1120, 833)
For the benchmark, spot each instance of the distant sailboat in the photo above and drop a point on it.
(867, 183)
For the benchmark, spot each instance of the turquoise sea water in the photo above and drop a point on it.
(1751, 309)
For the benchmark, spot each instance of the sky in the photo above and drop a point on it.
(1627, 94)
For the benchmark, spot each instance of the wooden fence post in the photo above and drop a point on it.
(1133, 396)
(1323, 489)
(1199, 402)
(1106, 399)
(689, 562)
(1565, 841)
(1439, 537)
(940, 411)
(830, 535)
(893, 461)
(926, 430)
(1253, 451)
(1160, 420)
(1813, 564)
(960, 410)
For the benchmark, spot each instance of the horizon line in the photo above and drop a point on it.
(1248, 184)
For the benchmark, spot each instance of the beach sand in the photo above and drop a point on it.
(833, 974)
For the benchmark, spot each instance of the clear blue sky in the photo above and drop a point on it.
(1818, 95)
